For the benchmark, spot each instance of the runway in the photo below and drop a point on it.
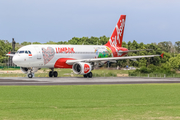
(83, 81)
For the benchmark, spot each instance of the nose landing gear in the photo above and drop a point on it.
(30, 71)
(30, 75)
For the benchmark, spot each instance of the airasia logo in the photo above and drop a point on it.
(86, 68)
(118, 34)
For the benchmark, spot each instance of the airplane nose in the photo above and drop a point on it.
(16, 60)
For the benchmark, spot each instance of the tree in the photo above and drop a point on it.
(174, 62)
(177, 46)
(166, 46)
(5, 47)
(50, 42)
(103, 40)
(25, 43)
(36, 43)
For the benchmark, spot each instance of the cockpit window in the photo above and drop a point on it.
(29, 52)
(26, 52)
(21, 51)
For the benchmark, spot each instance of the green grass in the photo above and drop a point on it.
(9, 68)
(160, 75)
(98, 102)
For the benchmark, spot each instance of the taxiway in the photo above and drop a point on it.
(83, 81)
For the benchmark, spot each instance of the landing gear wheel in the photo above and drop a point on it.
(30, 75)
(55, 73)
(90, 75)
(50, 74)
(85, 75)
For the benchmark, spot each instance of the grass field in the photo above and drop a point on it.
(97, 102)
(9, 68)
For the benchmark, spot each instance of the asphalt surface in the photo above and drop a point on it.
(83, 81)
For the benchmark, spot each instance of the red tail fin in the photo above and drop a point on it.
(117, 35)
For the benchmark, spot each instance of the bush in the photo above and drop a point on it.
(164, 68)
(133, 74)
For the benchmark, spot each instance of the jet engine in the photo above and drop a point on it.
(81, 68)
(26, 70)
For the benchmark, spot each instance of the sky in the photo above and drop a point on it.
(147, 21)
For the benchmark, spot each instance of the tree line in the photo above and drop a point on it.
(171, 51)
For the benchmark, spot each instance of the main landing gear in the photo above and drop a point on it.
(89, 75)
(53, 73)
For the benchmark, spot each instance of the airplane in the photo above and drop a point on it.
(80, 58)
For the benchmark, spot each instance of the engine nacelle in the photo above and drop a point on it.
(81, 68)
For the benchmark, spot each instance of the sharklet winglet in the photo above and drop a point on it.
(162, 55)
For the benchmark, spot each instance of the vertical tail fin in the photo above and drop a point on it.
(117, 35)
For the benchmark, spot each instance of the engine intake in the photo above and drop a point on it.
(81, 68)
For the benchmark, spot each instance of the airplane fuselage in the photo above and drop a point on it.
(54, 56)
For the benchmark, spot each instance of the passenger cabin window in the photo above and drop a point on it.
(21, 52)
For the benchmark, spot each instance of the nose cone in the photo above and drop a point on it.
(16, 60)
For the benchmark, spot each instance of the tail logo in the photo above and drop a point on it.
(115, 41)
(120, 30)
(116, 38)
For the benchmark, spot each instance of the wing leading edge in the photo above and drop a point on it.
(71, 62)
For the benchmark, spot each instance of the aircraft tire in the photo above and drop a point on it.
(50, 74)
(30, 75)
(55, 73)
(90, 75)
(85, 75)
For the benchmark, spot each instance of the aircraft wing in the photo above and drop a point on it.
(71, 62)
(134, 50)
